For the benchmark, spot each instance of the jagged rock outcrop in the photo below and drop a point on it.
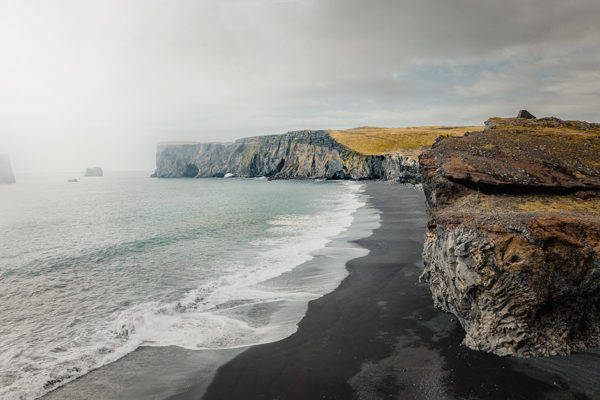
(513, 238)
(6, 172)
(525, 114)
(95, 171)
(294, 155)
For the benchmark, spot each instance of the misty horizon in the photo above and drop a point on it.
(101, 83)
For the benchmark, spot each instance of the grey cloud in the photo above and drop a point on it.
(83, 79)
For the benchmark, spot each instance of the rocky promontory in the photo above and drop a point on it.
(513, 237)
(6, 172)
(293, 155)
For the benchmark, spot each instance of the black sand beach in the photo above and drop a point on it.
(377, 336)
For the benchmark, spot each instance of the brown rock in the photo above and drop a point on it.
(513, 240)
(519, 156)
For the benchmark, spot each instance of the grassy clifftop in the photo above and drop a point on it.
(371, 140)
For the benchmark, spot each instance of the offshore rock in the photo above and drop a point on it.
(6, 172)
(513, 237)
(95, 171)
(293, 155)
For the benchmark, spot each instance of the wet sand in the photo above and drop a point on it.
(151, 373)
(377, 336)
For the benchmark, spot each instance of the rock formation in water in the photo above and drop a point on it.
(6, 172)
(294, 155)
(95, 171)
(513, 237)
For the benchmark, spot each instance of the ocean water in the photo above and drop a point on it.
(90, 271)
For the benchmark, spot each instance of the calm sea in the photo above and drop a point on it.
(90, 271)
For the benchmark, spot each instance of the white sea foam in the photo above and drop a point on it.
(250, 304)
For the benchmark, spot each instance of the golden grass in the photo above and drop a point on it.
(571, 144)
(408, 141)
(576, 128)
(561, 204)
(548, 130)
(538, 203)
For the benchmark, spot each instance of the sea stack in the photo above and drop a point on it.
(95, 171)
(6, 172)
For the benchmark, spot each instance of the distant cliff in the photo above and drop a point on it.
(513, 237)
(293, 155)
(6, 172)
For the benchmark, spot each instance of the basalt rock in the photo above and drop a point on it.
(294, 155)
(6, 172)
(513, 237)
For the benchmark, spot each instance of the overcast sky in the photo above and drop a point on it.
(100, 82)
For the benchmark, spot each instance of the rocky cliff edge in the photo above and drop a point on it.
(293, 155)
(513, 237)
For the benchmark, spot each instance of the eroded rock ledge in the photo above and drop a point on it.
(513, 238)
(293, 155)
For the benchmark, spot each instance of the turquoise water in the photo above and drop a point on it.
(90, 271)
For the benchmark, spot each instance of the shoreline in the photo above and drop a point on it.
(158, 372)
(375, 336)
(378, 336)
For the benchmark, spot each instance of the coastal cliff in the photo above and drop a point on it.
(6, 172)
(293, 155)
(513, 237)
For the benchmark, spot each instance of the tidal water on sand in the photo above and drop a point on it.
(90, 271)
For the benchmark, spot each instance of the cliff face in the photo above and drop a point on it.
(6, 172)
(513, 238)
(297, 155)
